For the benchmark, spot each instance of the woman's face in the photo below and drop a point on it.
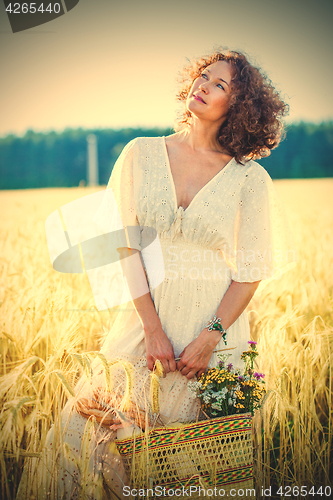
(209, 96)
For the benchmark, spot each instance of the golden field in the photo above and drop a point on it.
(46, 315)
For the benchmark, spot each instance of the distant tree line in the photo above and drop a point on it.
(53, 159)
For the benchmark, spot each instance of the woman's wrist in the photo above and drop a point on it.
(215, 325)
(146, 311)
(151, 325)
(211, 338)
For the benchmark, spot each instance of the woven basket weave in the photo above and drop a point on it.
(209, 453)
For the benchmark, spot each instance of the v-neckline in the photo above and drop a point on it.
(173, 183)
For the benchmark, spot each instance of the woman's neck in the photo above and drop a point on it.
(201, 136)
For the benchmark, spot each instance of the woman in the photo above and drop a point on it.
(232, 114)
(221, 232)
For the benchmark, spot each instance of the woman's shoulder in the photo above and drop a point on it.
(135, 145)
(176, 137)
(253, 170)
(142, 142)
(143, 139)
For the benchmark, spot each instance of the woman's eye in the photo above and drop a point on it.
(204, 75)
(220, 86)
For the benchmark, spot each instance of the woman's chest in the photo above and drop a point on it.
(210, 202)
(190, 173)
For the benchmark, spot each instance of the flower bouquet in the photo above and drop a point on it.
(224, 390)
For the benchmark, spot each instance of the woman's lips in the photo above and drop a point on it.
(197, 98)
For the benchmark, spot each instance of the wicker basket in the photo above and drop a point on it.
(207, 454)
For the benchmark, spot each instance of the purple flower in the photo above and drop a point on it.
(252, 342)
(240, 377)
(258, 376)
(229, 367)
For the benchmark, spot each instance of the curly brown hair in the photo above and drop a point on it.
(253, 126)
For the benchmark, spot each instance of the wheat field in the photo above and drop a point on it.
(47, 316)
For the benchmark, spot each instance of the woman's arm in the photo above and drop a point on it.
(195, 357)
(158, 346)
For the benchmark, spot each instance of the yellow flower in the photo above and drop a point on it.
(238, 405)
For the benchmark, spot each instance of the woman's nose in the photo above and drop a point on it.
(203, 88)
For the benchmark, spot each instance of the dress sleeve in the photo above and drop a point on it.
(117, 209)
(263, 243)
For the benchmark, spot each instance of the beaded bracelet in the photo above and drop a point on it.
(215, 324)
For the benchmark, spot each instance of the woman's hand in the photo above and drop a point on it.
(195, 357)
(158, 346)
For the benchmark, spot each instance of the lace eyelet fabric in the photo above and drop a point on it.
(233, 230)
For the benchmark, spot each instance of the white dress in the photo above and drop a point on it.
(234, 229)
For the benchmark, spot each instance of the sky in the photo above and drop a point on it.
(114, 64)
